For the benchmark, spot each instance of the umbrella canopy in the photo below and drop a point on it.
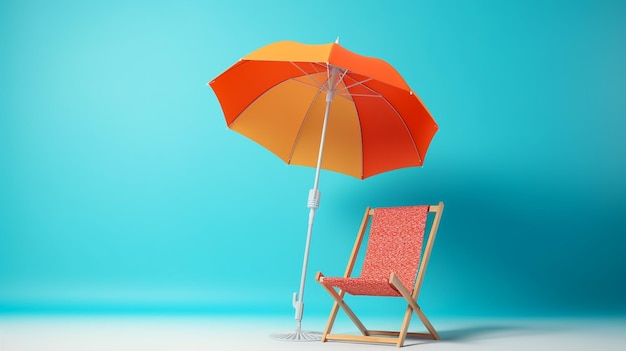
(277, 95)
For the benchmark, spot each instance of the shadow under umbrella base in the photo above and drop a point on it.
(297, 335)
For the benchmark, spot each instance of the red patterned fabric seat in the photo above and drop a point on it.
(394, 246)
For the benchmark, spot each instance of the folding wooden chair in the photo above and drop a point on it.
(392, 267)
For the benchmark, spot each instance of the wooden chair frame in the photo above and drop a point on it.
(382, 336)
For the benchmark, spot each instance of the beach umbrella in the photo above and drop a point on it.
(326, 107)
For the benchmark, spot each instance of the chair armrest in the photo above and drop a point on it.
(395, 282)
(319, 276)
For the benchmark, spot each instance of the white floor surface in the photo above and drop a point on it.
(29, 333)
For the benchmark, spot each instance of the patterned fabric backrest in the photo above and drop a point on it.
(395, 243)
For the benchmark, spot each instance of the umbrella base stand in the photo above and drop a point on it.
(297, 335)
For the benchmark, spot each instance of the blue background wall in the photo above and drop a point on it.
(122, 190)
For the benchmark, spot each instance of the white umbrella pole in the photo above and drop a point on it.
(313, 204)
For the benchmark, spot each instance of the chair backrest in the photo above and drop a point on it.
(395, 243)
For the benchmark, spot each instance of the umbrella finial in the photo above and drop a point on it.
(337, 40)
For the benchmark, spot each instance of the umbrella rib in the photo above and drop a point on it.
(341, 80)
(306, 116)
(377, 94)
(306, 74)
(364, 95)
(362, 83)
(359, 83)
(316, 87)
(319, 86)
(314, 66)
(408, 131)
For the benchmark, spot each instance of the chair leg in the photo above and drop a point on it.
(427, 323)
(395, 281)
(405, 326)
(331, 321)
(341, 303)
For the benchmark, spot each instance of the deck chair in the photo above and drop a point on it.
(391, 267)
